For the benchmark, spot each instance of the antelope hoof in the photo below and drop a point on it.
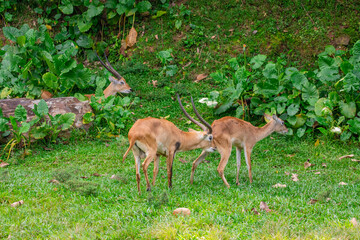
(237, 183)
(148, 189)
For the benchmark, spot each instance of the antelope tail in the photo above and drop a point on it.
(127, 151)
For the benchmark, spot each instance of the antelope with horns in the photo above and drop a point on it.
(151, 137)
(231, 131)
(117, 82)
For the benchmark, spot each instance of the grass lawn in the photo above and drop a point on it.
(88, 203)
(115, 210)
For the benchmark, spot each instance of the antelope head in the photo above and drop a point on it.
(118, 83)
(279, 125)
(205, 136)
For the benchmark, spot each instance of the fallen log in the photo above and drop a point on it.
(56, 106)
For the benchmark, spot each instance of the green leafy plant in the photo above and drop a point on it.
(50, 126)
(35, 62)
(166, 57)
(111, 115)
(326, 99)
(19, 131)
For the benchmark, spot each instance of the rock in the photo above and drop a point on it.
(342, 40)
(182, 211)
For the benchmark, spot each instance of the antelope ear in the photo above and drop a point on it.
(275, 117)
(267, 117)
(112, 79)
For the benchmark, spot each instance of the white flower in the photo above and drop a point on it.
(336, 130)
(208, 102)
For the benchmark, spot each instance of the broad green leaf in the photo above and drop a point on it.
(80, 97)
(42, 108)
(66, 7)
(143, 6)
(257, 61)
(120, 9)
(93, 11)
(88, 118)
(21, 40)
(131, 12)
(241, 75)
(346, 67)
(351, 83)
(85, 41)
(291, 120)
(84, 25)
(224, 107)
(50, 80)
(356, 49)
(270, 71)
(330, 50)
(3, 125)
(354, 125)
(300, 120)
(326, 62)
(334, 97)
(171, 70)
(39, 132)
(8, 16)
(298, 80)
(158, 14)
(280, 108)
(67, 120)
(11, 33)
(5, 92)
(268, 88)
(79, 76)
(310, 93)
(68, 66)
(348, 109)
(320, 107)
(345, 136)
(293, 109)
(20, 113)
(300, 132)
(239, 112)
(328, 74)
(25, 127)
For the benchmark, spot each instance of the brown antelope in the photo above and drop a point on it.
(151, 137)
(117, 83)
(231, 131)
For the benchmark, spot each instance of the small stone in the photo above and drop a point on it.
(182, 211)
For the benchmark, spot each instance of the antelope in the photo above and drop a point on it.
(231, 131)
(117, 83)
(151, 137)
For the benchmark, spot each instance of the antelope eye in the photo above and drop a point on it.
(122, 83)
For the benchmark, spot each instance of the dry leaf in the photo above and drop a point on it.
(154, 83)
(313, 201)
(355, 160)
(3, 164)
(255, 32)
(323, 164)
(272, 138)
(290, 155)
(213, 37)
(54, 181)
(264, 207)
(287, 173)
(186, 65)
(201, 77)
(354, 222)
(182, 211)
(107, 145)
(279, 185)
(96, 174)
(46, 94)
(346, 156)
(343, 183)
(84, 177)
(317, 173)
(48, 149)
(294, 177)
(317, 143)
(308, 164)
(131, 38)
(17, 204)
(156, 36)
(254, 211)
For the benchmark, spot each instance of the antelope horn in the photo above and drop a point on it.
(110, 69)
(114, 71)
(188, 116)
(200, 118)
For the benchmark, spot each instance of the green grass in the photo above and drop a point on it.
(98, 207)
(115, 210)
